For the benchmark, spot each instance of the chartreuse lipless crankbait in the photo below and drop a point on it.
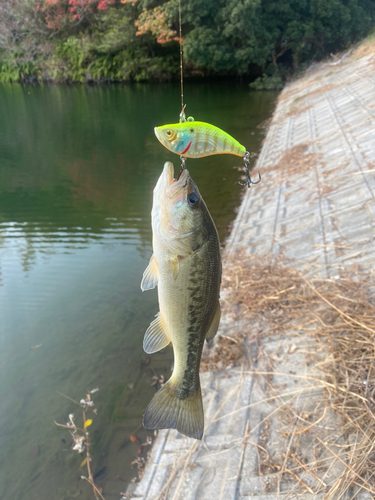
(193, 139)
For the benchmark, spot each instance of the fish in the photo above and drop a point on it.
(193, 139)
(186, 268)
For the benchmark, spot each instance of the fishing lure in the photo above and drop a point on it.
(193, 139)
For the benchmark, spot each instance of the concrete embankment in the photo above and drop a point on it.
(315, 209)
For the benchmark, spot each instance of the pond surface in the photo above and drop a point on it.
(77, 170)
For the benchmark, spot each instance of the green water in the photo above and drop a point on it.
(77, 169)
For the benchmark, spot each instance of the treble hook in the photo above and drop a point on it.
(249, 181)
(182, 168)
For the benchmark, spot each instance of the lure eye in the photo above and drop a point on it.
(193, 199)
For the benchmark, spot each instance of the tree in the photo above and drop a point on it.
(256, 36)
(138, 39)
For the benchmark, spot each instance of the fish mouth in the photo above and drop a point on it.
(169, 179)
(168, 174)
(182, 179)
(171, 188)
(168, 186)
(177, 188)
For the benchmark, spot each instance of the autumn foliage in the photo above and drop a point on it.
(58, 12)
(158, 22)
(61, 12)
(119, 40)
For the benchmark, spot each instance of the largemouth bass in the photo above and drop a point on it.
(186, 267)
(198, 139)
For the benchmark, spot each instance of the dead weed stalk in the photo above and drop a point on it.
(337, 317)
(81, 437)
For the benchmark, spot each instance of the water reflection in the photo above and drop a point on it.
(77, 169)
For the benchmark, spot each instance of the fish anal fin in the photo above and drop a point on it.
(167, 411)
(155, 337)
(151, 275)
(214, 325)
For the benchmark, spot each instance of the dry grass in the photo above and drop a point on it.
(296, 161)
(298, 93)
(297, 109)
(367, 47)
(336, 318)
(225, 353)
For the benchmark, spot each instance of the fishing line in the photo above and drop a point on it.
(215, 141)
(182, 114)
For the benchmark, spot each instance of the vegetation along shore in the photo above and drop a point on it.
(97, 41)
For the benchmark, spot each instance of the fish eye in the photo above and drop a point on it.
(193, 199)
(192, 131)
(169, 132)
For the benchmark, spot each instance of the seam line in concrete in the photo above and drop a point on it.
(322, 226)
(333, 108)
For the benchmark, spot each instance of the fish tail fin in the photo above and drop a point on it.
(167, 411)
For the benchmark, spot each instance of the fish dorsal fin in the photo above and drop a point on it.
(155, 336)
(151, 275)
(214, 325)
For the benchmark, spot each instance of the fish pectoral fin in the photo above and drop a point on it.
(214, 325)
(150, 276)
(155, 337)
(175, 261)
(167, 411)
